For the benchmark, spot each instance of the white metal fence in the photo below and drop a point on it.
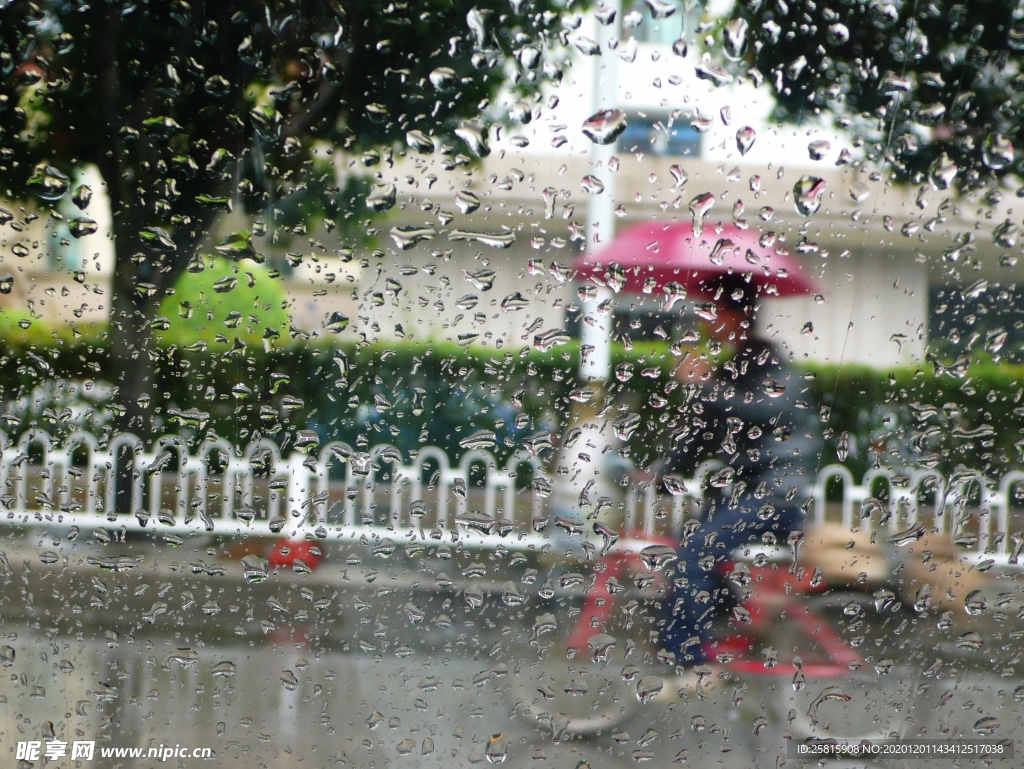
(343, 493)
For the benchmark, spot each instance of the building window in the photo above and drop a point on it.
(659, 137)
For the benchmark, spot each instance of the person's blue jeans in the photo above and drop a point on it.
(698, 591)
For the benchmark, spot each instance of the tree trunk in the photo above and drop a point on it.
(133, 358)
(133, 308)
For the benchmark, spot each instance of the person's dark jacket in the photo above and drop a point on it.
(753, 415)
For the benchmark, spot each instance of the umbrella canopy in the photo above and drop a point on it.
(655, 254)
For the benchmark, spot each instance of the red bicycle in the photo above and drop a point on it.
(780, 641)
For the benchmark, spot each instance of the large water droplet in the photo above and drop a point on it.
(82, 226)
(382, 197)
(474, 134)
(745, 138)
(605, 127)
(734, 38)
(818, 149)
(48, 183)
(909, 535)
(600, 646)
(975, 603)
(255, 568)
(419, 141)
(699, 207)
(997, 151)
(467, 201)
(930, 114)
(942, 172)
(837, 34)
(443, 78)
(660, 9)
(624, 427)
(807, 194)
(970, 640)
(843, 446)
(657, 557)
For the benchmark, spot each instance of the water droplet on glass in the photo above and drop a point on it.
(592, 184)
(818, 149)
(986, 725)
(407, 237)
(474, 134)
(648, 688)
(712, 73)
(223, 669)
(884, 666)
(975, 603)
(382, 197)
(909, 535)
(493, 240)
(624, 427)
(837, 34)
(600, 646)
(82, 196)
(82, 226)
(699, 207)
(843, 446)
(942, 172)
(745, 138)
(255, 568)
(466, 201)
(734, 36)
(419, 141)
(997, 151)
(514, 301)
(47, 182)
(970, 640)
(497, 748)
(443, 78)
(657, 557)
(807, 194)
(605, 126)
(930, 114)
(549, 339)
(830, 694)
(883, 599)
(481, 439)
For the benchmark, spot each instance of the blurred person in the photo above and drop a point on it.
(743, 411)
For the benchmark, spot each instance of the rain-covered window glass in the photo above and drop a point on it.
(531, 382)
(649, 24)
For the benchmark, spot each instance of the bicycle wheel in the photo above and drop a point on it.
(838, 694)
(575, 697)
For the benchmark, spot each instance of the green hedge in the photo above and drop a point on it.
(440, 392)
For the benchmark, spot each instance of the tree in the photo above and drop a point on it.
(190, 108)
(936, 88)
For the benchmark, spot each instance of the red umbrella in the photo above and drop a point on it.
(656, 254)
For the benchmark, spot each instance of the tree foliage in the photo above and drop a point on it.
(917, 80)
(189, 109)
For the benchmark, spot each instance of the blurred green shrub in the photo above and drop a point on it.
(225, 301)
(416, 393)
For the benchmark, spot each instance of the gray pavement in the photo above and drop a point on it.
(394, 662)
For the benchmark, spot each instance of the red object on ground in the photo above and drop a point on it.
(287, 551)
(668, 252)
